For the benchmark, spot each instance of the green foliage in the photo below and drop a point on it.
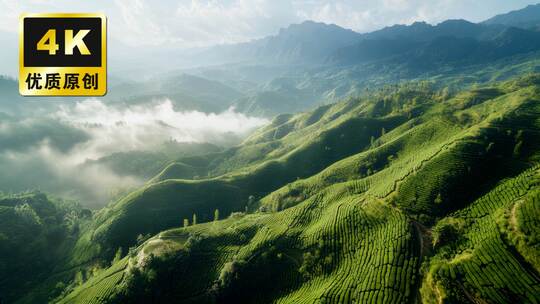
(334, 216)
(229, 273)
(447, 231)
(36, 235)
(517, 149)
(118, 255)
(483, 265)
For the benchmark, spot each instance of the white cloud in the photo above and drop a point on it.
(191, 23)
(67, 177)
(67, 172)
(343, 14)
(140, 24)
(365, 16)
(196, 23)
(398, 5)
(10, 11)
(145, 126)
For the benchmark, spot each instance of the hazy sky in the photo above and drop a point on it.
(189, 23)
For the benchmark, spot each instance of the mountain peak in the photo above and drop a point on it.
(310, 26)
(308, 41)
(419, 24)
(456, 22)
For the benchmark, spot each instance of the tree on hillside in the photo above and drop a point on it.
(438, 199)
(79, 278)
(142, 238)
(445, 93)
(117, 256)
(194, 221)
(186, 222)
(216, 215)
(517, 149)
(490, 147)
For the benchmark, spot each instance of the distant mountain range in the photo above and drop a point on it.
(338, 62)
(318, 43)
(312, 63)
(439, 46)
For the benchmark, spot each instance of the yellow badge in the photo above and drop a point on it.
(63, 55)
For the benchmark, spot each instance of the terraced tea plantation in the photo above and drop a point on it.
(406, 195)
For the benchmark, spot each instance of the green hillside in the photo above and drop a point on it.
(36, 237)
(404, 195)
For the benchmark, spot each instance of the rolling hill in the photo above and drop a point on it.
(404, 195)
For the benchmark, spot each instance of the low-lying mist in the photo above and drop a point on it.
(60, 153)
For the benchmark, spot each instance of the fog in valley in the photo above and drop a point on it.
(68, 152)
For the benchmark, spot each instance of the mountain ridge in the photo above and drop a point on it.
(527, 18)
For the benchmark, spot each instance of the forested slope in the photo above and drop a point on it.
(404, 195)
